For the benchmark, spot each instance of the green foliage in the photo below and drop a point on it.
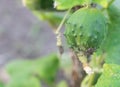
(23, 73)
(66, 4)
(112, 46)
(39, 5)
(90, 80)
(85, 29)
(1, 84)
(24, 82)
(110, 76)
(44, 10)
(16, 67)
(95, 25)
(46, 68)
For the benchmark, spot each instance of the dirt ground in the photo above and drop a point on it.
(22, 35)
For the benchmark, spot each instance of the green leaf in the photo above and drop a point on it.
(66, 4)
(15, 67)
(39, 5)
(110, 76)
(47, 68)
(24, 82)
(1, 84)
(111, 47)
(44, 10)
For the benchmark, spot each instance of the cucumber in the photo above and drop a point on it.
(86, 28)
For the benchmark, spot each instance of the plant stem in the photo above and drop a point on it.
(62, 22)
(58, 34)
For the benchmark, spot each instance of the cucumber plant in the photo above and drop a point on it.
(92, 29)
(92, 32)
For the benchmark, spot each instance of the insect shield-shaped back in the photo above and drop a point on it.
(44, 5)
(86, 28)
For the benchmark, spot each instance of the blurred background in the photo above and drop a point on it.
(28, 51)
(22, 35)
